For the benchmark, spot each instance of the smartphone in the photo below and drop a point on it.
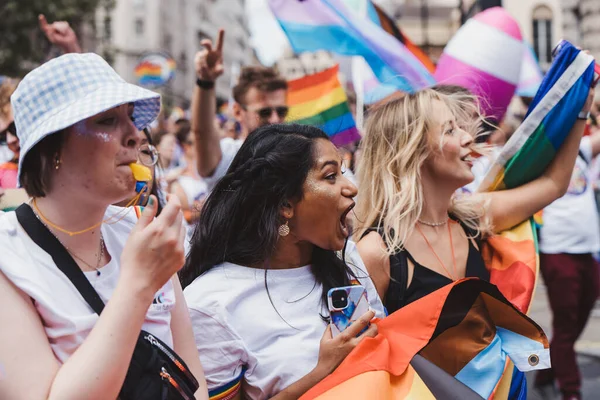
(346, 305)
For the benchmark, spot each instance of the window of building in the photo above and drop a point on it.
(202, 12)
(139, 27)
(241, 43)
(167, 42)
(542, 34)
(107, 28)
(183, 62)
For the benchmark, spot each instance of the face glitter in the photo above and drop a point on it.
(80, 129)
(103, 136)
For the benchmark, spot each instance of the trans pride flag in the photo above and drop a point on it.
(320, 100)
(373, 89)
(312, 25)
(531, 73)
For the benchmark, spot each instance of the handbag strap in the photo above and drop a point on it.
(40, 234)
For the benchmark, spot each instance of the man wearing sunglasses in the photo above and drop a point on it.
(260, 99)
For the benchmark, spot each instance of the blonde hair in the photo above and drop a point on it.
(394, 148)
(7, 88)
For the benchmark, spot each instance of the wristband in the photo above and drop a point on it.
(583, 115)
(205, 84)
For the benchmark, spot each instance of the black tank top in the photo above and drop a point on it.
(425, 280)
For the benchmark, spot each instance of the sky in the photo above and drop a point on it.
(267, 38)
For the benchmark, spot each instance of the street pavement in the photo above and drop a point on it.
(587, 347)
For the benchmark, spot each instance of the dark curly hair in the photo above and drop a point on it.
(240, 219)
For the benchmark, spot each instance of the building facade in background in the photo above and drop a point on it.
(294, 66)
(134, 28)
(581, 23)
(541, 25)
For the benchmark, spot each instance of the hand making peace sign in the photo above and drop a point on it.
(209, 61)
(60, 34)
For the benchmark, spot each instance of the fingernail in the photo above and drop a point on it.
(151, 201)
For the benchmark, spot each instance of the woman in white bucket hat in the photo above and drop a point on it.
(78, 123)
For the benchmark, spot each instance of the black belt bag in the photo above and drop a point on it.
(155, 372)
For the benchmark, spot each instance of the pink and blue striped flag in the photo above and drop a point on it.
(531, 73)
(312, 25)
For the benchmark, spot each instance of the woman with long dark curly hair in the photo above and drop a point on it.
(265, 252)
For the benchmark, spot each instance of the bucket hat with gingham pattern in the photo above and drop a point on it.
(69, 89)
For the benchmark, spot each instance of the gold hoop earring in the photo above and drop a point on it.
(284, 229)
(57, 162)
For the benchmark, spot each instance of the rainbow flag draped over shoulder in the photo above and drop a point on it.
(312, 25)
(320, 100)
(512, 256)
(474, 340)
(458, 349)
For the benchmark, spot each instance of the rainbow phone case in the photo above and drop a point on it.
(358, 304)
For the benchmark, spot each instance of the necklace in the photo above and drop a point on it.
(451, 276)
(100, 253)
(98, 260)
(434, 224)
(108, 220)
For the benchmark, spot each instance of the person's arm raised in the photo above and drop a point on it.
(152, 255)
(60, 34)
(507, 208)
(209, 66)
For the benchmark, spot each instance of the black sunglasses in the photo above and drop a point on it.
(266, 112)
(12, 128)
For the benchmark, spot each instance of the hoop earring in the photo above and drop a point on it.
(57, 162)
(284, 229)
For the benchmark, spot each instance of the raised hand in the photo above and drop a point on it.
(154, 250)
(60, 34)
(209, 61)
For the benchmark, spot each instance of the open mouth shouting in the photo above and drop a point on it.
(344, 220)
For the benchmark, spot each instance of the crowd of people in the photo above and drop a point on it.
(246, 225)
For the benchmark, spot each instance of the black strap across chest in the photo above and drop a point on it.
(63, 260)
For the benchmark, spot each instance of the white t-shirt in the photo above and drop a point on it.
(229, 148)
(195, 188)
(571, 224)
(240, 335)
(5, 154)
(66, 316)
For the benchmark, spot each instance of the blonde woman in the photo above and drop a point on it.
(416, 153)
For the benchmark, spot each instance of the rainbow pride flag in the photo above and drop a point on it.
(512, 256)
(312, 25)
(474, 340)
(320, 100)
(155, 70)
(458, 349)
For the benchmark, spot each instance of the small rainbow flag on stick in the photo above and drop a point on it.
(320, 100)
